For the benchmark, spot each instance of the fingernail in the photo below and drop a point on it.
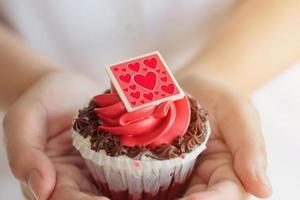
(32, 179)
(263, 178)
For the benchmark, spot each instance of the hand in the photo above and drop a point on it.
(38, 140)
(234, 164)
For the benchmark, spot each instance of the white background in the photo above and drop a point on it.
(279, 105)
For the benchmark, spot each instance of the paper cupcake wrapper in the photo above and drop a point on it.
(138, 179)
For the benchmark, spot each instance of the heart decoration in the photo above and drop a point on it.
(148, 81)
(168, 88)
(134, 66)
(164, 79)
(126, 78)
(150, 63)
(133, 87)
(148, 96)
(135, 95)
(144, 81)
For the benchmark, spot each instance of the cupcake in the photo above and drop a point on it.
(147, 153)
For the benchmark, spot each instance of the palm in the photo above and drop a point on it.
(72, 176)
(214, 174)
(61, 100)
(226, 170)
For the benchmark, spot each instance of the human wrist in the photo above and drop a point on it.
(224, 74)
(15, 89)
(193, 76)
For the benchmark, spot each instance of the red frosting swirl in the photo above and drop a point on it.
(150, 126)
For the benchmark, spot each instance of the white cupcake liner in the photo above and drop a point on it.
(136, 178)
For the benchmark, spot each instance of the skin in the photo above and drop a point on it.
(258, 35)
(49, 165)
(234, 163)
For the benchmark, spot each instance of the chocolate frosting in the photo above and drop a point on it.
(87, 123)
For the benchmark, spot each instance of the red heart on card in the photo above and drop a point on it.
(135, 66)
(164, 79)
(156, 92)
(133, 87)
(135, 95)
(148, 96)
(168, 88)
(142, 101)
(125, 89)
(133, 102)
(148, 81)
(126, 78)
(150, 63)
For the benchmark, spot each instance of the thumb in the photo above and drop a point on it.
(25, 137)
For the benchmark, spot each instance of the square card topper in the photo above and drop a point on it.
(143, 81)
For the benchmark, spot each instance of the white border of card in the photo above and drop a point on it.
(128, 107)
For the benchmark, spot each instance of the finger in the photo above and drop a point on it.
(223, 190)
(25, 136)
(74, 194)
(222, 184)
(72, 184)
(242, 133)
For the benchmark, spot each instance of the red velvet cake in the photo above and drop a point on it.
(147, 150)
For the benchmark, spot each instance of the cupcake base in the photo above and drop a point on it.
(173, 186)
(174, 191)
(123, 178)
